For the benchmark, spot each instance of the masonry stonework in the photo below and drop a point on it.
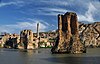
(68, 40)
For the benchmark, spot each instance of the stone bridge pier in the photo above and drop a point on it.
(68, 40)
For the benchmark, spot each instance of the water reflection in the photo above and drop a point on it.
(12, 56)
(74, 60)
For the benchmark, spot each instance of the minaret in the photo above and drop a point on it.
(37, 30)
(38, 39)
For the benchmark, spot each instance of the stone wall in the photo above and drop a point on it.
(10, 41)
(26, 39)
(68, 40)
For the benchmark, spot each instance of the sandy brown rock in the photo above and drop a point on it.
(90, 34)
(68, 40)
(26, 39)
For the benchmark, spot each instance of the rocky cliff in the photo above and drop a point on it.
(90, 34)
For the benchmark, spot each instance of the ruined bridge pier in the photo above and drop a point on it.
(68, 40)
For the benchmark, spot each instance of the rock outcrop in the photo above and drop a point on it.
(68, 40)
(90, 34)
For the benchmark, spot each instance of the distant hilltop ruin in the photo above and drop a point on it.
(68, 40)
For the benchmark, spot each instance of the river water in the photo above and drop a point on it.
(44, 56)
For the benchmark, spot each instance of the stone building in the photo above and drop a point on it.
(4, 37)
(68, 40)
(9, 40)
(46, 39)
(26, 40)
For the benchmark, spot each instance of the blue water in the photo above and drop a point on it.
(44, 56)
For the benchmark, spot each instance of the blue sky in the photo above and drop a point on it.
(16, 15)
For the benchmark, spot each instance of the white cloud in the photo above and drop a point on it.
(55, 9)
(51, 11)
(52, 8)
(11, 3)
(38, 21)
(56, 2)
(15, 28)
(89, 14)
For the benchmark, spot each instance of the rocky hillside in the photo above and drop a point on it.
(90, 34)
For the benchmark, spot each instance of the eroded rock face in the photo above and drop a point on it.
(90, 33)
(68, 40)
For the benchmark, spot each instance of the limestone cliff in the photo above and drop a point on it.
(90, 34)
